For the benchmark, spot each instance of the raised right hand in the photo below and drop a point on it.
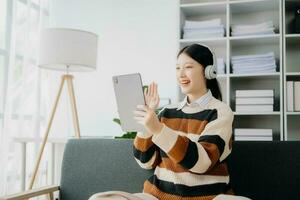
(151, 96)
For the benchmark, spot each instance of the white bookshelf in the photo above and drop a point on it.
(291, 67)
(234, 12)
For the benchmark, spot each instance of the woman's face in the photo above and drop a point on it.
(190, 75)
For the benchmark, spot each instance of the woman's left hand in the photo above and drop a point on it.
(147, 117)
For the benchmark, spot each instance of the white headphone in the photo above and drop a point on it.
(211, 70)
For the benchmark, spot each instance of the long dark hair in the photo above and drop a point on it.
(204, 56)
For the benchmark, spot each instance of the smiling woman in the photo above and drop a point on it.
(188, 142)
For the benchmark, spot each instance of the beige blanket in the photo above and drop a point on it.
(119, 195)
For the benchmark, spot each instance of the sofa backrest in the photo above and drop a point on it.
(259, 170)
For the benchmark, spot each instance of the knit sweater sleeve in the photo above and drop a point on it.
(199, 154)
(145, 152)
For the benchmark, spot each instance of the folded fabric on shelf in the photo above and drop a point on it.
(259, 63)
(203, 29)
(253, 29)
(201, 24)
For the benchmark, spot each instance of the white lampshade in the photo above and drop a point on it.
(61, 48)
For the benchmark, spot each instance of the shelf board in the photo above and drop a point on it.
(203, 39)
(245, 1)
(249, 37)
(191, 5)
(254, 75)
(293, 113)
(257, 113)
(220, 41)
(222, 75)
(292, 35)
(292, 73)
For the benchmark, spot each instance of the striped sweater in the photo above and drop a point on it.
(189, 154)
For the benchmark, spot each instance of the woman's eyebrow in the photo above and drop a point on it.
(184, 63)
(188, 63)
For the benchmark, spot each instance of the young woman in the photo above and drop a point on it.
(187, 143)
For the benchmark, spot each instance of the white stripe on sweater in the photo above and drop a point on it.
(187, 178)
(166, 139)
(203, 161)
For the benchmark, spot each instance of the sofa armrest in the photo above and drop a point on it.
(47, 190)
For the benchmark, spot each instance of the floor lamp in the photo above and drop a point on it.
(67, 50)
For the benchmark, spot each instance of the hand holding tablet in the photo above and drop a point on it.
(145, 114)
(136, 107)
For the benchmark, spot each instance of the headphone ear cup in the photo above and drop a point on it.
(210, 72)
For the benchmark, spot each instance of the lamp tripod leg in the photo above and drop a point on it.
(46, 134)
(69, 79)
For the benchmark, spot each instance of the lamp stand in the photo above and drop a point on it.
(69, 79)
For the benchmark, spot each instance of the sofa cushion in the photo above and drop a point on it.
(96, 165)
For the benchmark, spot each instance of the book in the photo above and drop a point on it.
(252, 132)
(297, 96)
(253, 138)
(254, 108)
(290, 96)
(254, 100)
(254, 93)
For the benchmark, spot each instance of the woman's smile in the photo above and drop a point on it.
(184, 82)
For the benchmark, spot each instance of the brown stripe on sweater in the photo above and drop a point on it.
(157, 160)
(220, 169)
(185, 125)
(212, 152)
(153, 190)
(179, 149)
(142, 144)
(171, 165)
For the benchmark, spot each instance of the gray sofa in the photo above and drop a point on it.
(259, 170)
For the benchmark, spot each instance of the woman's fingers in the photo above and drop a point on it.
(142, 108)
(139, 113)
(150, 90)
(139, 119)
(155, 90)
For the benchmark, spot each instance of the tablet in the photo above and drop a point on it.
(129, 93)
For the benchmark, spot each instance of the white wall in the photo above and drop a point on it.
(134, 36)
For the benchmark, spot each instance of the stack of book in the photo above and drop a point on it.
(252, 134)
(254, 101)
(203, 29)
(293, 95)
(258, 63)
(253, 29)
